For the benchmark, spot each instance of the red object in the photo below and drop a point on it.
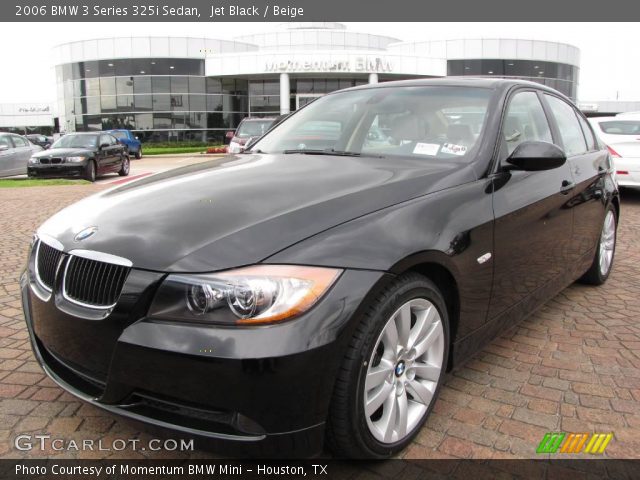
(622, 172)
(217, 150)
(613, 152)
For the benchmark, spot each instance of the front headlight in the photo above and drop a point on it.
(76, 159)
(33, 161)
(246, 296)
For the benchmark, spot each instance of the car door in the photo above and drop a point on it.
(23, 152)
(7, 156)
(115, 150)
(106, 152)
(533, 222)
(589, 165)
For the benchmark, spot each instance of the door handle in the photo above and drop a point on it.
(567, 186)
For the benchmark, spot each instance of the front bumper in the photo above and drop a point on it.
(262, 391)
(57, 170)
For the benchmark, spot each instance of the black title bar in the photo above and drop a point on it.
(316, 10)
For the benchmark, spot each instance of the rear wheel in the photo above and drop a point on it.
(90, 171)
(124, 169)
(605, 251)
(392, 371)
(139, 153)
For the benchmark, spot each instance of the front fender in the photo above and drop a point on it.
(452, 228)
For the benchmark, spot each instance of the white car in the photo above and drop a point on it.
(621, 135)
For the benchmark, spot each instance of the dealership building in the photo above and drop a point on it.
(184, 88)
(25, 118)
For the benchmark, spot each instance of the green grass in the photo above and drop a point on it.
(34, 182)
(171, 150)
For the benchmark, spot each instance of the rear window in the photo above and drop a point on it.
(621, 127)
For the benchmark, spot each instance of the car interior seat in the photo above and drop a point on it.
(460, 134)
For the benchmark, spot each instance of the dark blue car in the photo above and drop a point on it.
(128, 139)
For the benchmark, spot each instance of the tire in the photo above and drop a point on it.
(125, 167)
(139, 154)
(605, 251)
(90, 171)
(371, 371)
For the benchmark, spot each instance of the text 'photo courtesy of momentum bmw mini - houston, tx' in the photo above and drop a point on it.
(316, 288)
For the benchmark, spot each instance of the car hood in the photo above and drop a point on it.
(63, 152)
(241, 209)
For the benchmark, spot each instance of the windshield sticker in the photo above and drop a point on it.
(453, 149)
(426, 149)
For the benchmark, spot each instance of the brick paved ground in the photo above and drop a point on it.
(573, 366)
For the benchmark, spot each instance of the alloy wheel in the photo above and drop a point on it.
(607, 243)
(403, 371)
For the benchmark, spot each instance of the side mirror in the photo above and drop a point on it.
(229, 135)
(103, 146)
(4, 147)
(536, 156)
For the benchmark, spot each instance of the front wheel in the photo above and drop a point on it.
(124, 168)
(139, 153)
(605, 251)
(90, 171)
(392, 371)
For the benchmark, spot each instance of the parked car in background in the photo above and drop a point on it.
(40, 140)
(84, 155)
(621, 135)
(332, 308)
(249, 129)
(129, 140)
(15, 151)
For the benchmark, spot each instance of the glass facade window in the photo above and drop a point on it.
(142, 85)
(560, 76)
(179, 84)
(107, 86)
(124, 85)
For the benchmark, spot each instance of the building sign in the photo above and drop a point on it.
(32, 109)
(354, 64)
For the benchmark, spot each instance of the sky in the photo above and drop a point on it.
(610, 58)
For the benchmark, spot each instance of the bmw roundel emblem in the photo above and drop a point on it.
(400, 367)
(86, 233)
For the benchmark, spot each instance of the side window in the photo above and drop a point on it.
(588, 133)
(5, 141)
(104, 139)
(19, 142)
(525, 121)
(569, 126)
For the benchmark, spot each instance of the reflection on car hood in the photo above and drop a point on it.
(241, 209)
(63, 152)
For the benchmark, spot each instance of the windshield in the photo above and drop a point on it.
(77, 141)
(119, 135)
(418, 122)
(253, 128)
(621, 127)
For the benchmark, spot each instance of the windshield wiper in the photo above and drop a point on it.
(328, 151)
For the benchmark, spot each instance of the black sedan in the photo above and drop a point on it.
(320, 285)
(84, 155)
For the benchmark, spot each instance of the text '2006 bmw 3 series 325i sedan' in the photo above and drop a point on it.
(317, 288)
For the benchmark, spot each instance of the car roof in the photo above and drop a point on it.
(502, 84)
(604, 119)
(258, 119)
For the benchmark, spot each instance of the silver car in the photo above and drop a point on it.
(15, 151)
